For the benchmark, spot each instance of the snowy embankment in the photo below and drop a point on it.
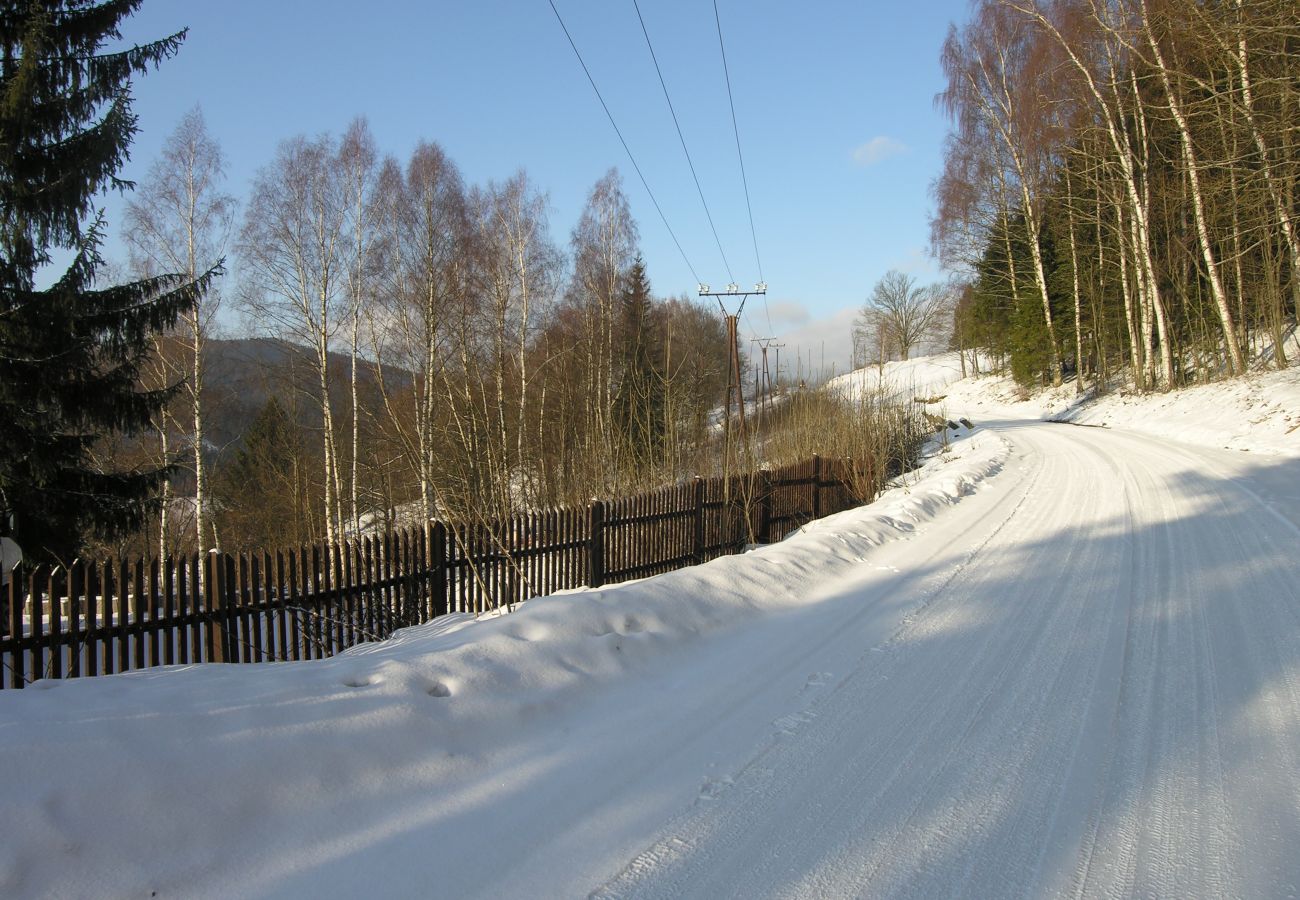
(220, 780)
(1259, 413)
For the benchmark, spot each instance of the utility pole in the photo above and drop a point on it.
(764, 344)
(735, 382)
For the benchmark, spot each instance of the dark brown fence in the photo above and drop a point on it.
(100, 618)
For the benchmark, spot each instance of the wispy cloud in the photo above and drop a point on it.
(824, 345)
(877, 149)
(918, 262)
(788, 314)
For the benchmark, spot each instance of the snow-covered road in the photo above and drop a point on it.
(1064, 662)
(1099, 697)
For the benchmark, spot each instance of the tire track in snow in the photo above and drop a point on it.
(653, 869)
(934, 617)
(996, 745)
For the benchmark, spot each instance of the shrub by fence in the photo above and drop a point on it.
(98, 618)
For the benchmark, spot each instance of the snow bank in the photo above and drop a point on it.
(218, 780)
(1259, 413)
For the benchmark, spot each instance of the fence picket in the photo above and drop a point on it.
(36, 628)
(55, 632)
(76, 577)
(92, 619)
(16, 674)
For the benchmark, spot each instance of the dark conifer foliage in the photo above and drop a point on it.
(640, 398)
(70, 354)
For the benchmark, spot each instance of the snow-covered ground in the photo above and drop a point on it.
(1054, 661)
(1259, 413)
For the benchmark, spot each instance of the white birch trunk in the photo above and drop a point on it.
(1198, 204)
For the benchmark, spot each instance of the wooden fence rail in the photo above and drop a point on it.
(98, 618)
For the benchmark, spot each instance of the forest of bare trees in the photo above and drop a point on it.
(1120, 186)
(435, 350)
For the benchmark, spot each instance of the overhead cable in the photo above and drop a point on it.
(735, 129)
(622, 140)
(682, 138)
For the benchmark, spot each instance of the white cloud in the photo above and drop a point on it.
(788, 314)
(819, 347)
(877, 149)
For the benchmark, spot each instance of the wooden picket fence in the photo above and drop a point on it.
(99, 618)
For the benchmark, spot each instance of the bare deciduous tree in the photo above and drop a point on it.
(357, 162)
(290, 244)
(179, 220)
(901, 315)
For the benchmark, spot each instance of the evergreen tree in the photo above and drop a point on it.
(1005, 313)
(70, 354)
(640, 399)
(263, 492)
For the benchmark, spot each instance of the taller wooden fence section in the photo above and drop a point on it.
(100, 618)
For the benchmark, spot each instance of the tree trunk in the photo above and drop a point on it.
(1198, 204)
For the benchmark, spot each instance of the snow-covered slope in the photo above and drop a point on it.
(1055, 661)
(1259, 413)
(903, 381)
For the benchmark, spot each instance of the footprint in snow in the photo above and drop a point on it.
(713, 788)
(792, 723)
(818, 679)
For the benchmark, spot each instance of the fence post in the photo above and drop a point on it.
(817, 487)
(699, 520)
(219, 605)
(765, 507)
(596, 546)
(17, 677)
(438, 565)
(8, 604)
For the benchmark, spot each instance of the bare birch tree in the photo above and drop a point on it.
(290, 245)
(358, 170)
(179, 220)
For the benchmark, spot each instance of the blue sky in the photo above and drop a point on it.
(834, 101)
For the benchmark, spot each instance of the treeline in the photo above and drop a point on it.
(1120, 186)
(459, 361)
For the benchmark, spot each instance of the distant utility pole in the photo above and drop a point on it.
(765, 406)
(735, 384)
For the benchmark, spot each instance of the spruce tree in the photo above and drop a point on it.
(70, 353)
(262, 492)
(640, 398)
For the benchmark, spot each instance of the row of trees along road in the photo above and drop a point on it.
(458, 362)
(1120, 185)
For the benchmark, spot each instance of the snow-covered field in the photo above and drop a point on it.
(1055, 661)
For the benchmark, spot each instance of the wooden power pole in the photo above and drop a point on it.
(735, 380)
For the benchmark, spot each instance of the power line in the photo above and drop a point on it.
(744, 179)
(682, 138)
(735, 129)
(628, 149)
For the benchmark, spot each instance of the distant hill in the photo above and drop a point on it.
(242, 374)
